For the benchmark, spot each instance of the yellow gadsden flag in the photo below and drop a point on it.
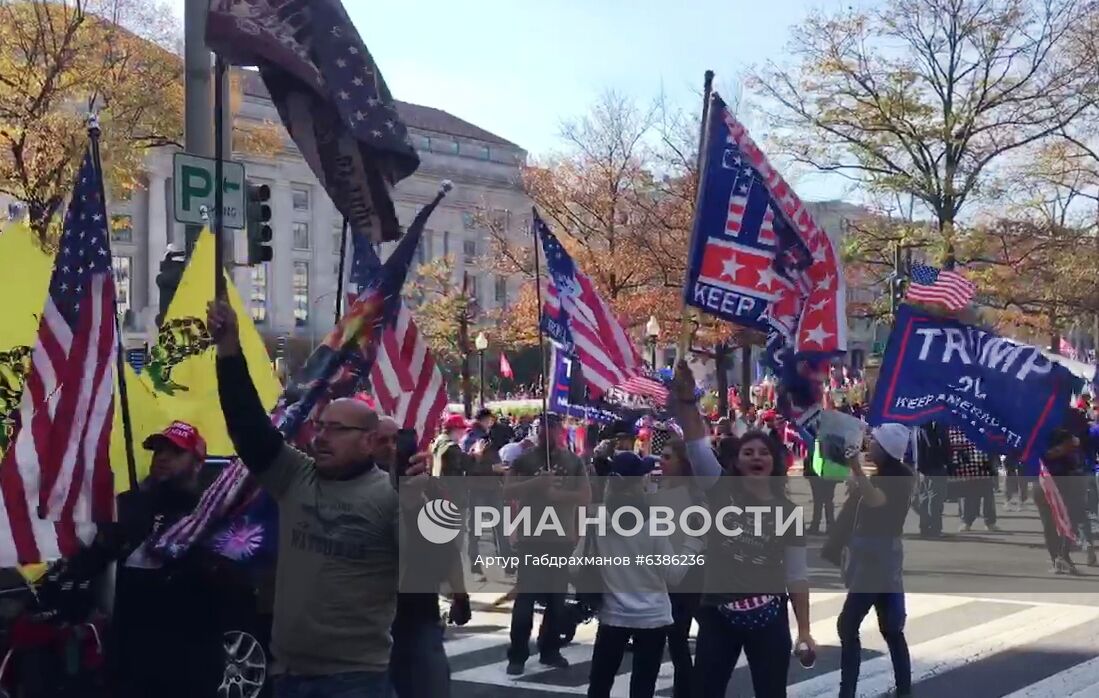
(181, 371)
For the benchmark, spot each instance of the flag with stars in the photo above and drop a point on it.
(61, 454)
(759, 260)
(331, 96)
(577, 319)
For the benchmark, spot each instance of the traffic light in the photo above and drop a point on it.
(896, 292)
(257, 216)
(171, 273)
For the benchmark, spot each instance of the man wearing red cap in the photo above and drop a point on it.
(165, 634)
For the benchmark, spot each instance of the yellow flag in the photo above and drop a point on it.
(146, 417)
(181, 371)
(23, 286)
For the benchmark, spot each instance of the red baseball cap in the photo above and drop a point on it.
(179, 434)
(454, 421)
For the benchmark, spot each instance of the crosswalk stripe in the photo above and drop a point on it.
(1023, 624)
(1079, 681)
(954, 649)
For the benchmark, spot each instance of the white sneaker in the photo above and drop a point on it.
(964, 528)
(991, 527)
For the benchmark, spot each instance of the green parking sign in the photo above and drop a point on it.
(193, 189)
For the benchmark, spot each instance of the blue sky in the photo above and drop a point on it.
(518, 67)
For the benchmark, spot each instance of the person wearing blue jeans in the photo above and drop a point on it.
(875, 559)
(891, 618)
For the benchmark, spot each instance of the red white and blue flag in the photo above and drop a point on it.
(56, 477)
(759, 260)
(577, 319)
(936, 286)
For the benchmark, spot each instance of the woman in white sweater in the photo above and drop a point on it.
(635, 598)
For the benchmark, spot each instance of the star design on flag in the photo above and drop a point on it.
(344, 95)
(376, 133)
(335, 31)
(341, 63)
(390, 124)
(730, 267)
(817, 335)
(826, 282)
(818, 306)
(818, 253)
(352, 50)
(359, 116)
(357, 81)
(767, 278)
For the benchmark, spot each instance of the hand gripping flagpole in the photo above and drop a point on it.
(120, 358)
(687, 327)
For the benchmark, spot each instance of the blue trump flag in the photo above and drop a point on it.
(1006, 396)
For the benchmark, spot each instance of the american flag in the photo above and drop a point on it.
(58, 466)
(405, 380)
(331, 96)
(932, 285)
(1056, 504)
(577, 318)
(647, 388)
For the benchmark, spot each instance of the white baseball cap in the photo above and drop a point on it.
(893, 438)
(510, 452)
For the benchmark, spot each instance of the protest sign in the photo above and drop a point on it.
(1007, 396)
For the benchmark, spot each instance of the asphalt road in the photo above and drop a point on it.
(986, 619)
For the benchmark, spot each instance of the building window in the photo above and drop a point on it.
(123, 287)
(501, 290)
(469, 251)
(301, 235)
(423, 250)
(476, 151)
(474, 288)
(301, 293)
(122, 228)
(446, 243)
(445, 146)
(337, 238)
(501, 219)
(301, 199)
(469, 221)
(259, 294)
(425, 143)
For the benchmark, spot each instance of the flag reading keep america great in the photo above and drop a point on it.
(758, 259)
(331, 96)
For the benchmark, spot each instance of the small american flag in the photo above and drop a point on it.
(404, 379)
(58, 467)
(646, 387)
(932, 285)
(1056, 504)
(577, 318)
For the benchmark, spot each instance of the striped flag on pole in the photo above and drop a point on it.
(58, 466)
(1056, 504)
(931, 285)
(576, 318)
(404, 379)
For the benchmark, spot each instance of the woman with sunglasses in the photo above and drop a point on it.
(750, 576)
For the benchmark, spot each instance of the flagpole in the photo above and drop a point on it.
(339, 272)
(685, 333)
(219, 176)
(120, 357)
(541, 336)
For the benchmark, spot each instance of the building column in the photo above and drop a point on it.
(280, 270)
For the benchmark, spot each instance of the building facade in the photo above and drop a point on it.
(293, 296)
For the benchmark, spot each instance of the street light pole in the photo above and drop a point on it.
(652, 330)
(481, 343)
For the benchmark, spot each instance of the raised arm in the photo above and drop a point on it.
(255, 438)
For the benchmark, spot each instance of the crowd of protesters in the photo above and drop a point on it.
(339, 627)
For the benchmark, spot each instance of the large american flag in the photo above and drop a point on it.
(405, 380)
(331, 97)
(577, 318)
(56, 477)
(931, 285)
